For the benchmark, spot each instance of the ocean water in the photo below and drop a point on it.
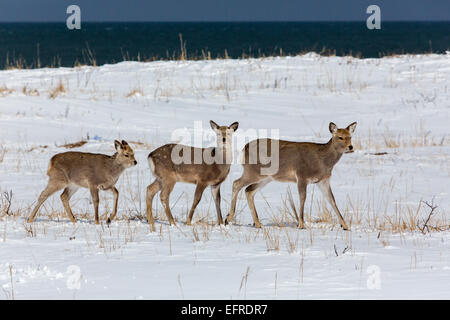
(52, 44)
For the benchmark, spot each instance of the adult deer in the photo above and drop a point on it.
(299, 162)
(203, 167)
(72, 170)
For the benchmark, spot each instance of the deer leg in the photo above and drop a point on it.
(197, 197)
(152, 190)
(301, 186)
(216, 195)
(95, 199)
(65, 198)
(237, 186)
(250, 193)
(166, 189)
(47, 192)
(115, 192)
(325, 187)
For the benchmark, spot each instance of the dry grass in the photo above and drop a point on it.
(280, 235)
(30, 92)
(58, 90)
(73, 144)
(16, 63)
(3, 152)
(367, 215)
(89, 57)
(349, 76)
(137, 92)
(272, 237)
(39, 147)
(5, 203)
(418, 138)
(10, 295)
(5, 91)
(141, 145)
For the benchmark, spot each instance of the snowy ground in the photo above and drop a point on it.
(401, 104)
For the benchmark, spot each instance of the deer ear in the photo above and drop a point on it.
(234, 126)
(351, 127)
(214, 125)
(124, 143)
(117, 145)
(333, 128)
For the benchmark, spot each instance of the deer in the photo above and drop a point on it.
(172, 163)
(72, 170)
(300, 162)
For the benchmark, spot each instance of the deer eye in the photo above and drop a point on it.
(340, 138)
(127, 155)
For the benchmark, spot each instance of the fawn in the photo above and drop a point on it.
(299, 162)
(72, 170)
(209, 168)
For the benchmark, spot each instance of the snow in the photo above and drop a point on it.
(402, 156)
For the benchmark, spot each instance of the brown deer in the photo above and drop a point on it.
(299, 162)
(72, 170)
(203, 167)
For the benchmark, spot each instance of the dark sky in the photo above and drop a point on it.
(223, 10)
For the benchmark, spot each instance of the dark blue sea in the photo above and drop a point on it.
(51, 44)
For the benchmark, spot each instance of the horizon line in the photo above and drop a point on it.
(220, 21)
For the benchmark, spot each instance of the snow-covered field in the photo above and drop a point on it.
(402, 141)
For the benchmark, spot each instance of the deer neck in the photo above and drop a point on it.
(331, 154)
(224, 154)
(116, 168)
